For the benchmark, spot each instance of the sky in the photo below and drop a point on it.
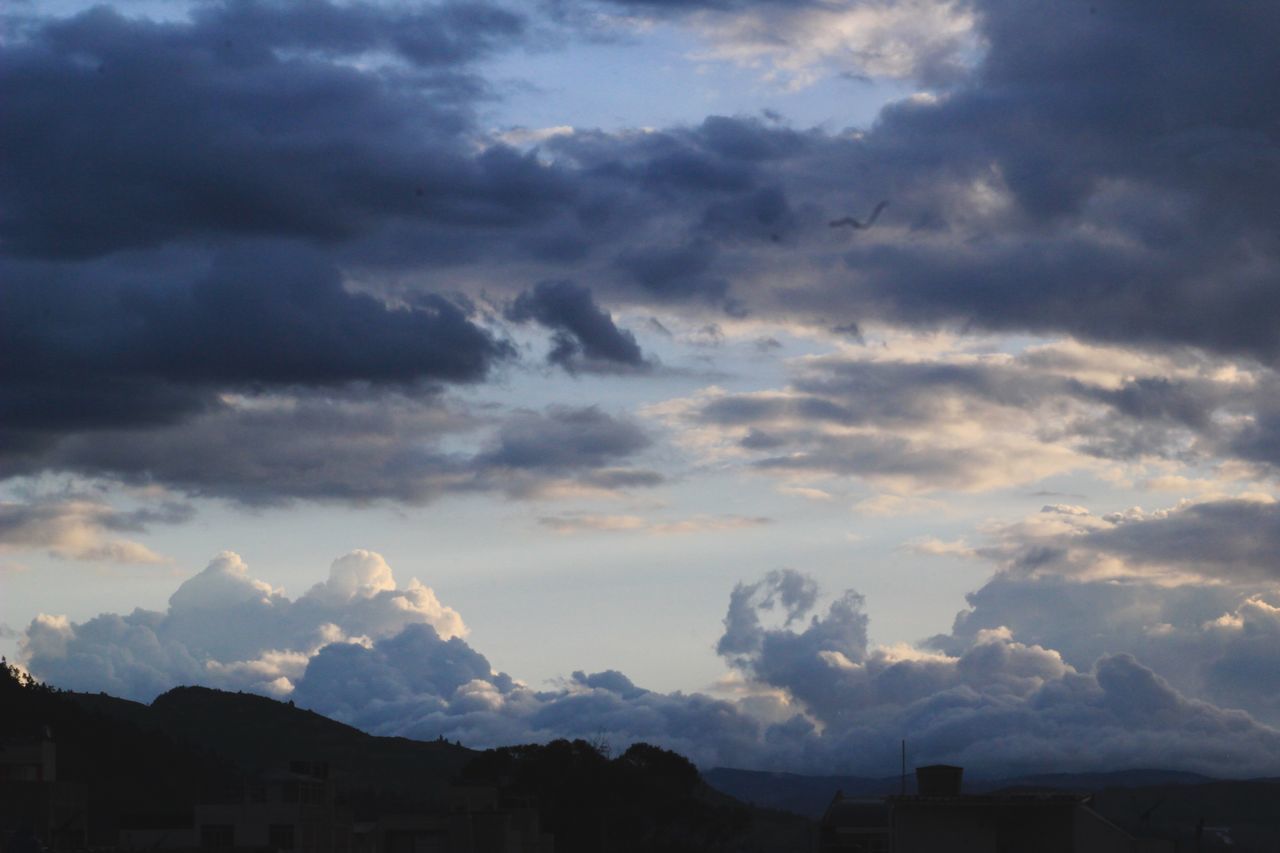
(770, 381)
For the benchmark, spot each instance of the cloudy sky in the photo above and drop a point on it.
(767, 380)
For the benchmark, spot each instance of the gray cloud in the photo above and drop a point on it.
(1235, 539)
(274, 448)
(1212, 642)
(563, 440)
(674, 272)
(953, 420)
(1219, 540)
(998, 703)
(271, 449)
(1190, 591)
(439, 34)
(586, 337)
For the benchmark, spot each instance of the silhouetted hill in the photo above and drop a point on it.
(193, 744)
(149, 764)
(793, 792)
(256, 733)
(128, 769)
(1087, 782)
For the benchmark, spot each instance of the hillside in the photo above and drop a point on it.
(256, 733)
(150, 764)
(130, 769)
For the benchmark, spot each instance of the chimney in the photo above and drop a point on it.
(939, 780)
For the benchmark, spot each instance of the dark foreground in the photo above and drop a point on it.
(201, 769)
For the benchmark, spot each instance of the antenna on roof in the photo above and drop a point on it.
(904, 767)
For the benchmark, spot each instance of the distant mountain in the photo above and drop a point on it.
(792, 792)
(1088, 782)
(809, 795)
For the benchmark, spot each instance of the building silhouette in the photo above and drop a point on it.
(479, 820)
(855, 825)
(941, 817)
(37, 810)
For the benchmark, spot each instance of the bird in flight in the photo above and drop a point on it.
(857, 225)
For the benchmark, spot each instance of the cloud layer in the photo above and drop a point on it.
(814, 693)
(331, 214)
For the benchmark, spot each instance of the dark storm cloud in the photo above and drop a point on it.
(123, 133)
(763, 215)
(172, 196)
(107, 345)
(1105, 170)
(1133, 163)
(1155, 124)
(674, 272)
(585, 334)
(270, 317)
(1116, 184)
(711, 181)
(441, 34)
(186, 203)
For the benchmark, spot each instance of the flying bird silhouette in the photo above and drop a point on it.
(859, 226)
